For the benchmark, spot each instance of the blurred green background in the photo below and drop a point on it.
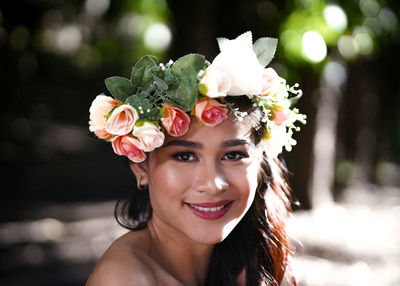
(54, 57)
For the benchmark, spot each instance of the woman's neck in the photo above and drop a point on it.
(185, 259)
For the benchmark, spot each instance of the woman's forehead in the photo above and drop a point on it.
(228, 129)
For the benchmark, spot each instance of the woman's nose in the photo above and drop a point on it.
(210, 180)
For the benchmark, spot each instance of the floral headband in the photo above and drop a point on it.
(159, 98)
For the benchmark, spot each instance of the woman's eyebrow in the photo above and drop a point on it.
(236, 142)
(184, 143)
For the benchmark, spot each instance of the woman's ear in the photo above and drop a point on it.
(140, 171)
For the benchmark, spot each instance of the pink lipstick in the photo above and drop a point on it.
(210, 210)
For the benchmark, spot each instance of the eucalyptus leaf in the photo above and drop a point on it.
(142, 76)
(119, 87)
(265, 50)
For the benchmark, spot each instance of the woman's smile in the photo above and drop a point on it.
(210, 210)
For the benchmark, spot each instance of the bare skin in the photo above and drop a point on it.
(136, 259)
(212, 164)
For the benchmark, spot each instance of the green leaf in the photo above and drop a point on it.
(166, 76)
(171, 80)
(185, 71)
(221, 42)
(143, 106)
(265, 50)
(160, 84)
(187, 67)
(185, 96)
(119, 87)
(142, 76)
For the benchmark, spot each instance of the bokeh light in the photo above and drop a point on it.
(369, 8)
(348, 47)
(314, 47)
(335, 73)
(157, 37)
(335, 17)
(97, 7)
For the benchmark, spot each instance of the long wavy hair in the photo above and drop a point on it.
(258, 248)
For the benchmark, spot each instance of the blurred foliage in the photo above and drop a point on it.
(90, 33)
(354, 28)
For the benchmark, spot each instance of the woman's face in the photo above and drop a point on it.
(201, 184)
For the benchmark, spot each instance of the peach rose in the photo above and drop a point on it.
(122, 120)
(280, 115)
(175, 121)
(100, 107)
(271, 82)
(210, 112)
(129, 147)
(149, 135)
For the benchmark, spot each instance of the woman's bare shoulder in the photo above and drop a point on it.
(125, 263)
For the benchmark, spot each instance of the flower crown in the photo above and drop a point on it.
(159, 98)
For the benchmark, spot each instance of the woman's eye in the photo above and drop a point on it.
(235, 156)
(185, 156)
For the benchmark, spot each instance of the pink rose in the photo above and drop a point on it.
(271, 82)
(100, 107)
(280, 115)
(129, 147)
(175, 121)
(122, 120)
(149, 135)
(210, 112)
(215, 83)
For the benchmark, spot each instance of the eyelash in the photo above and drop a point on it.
(178, 156)
(193, 157)
(236, 153)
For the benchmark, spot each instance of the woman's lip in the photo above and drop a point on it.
(210, 215)
(211, 204)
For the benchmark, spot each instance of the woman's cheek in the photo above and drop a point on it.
(167, 175)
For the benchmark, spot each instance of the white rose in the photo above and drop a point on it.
(122, 120)
(149, 135)
(240, 61)
(216, 82)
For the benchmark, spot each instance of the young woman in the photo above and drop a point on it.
(212, 197)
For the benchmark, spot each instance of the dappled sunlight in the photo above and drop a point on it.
(351, 243)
